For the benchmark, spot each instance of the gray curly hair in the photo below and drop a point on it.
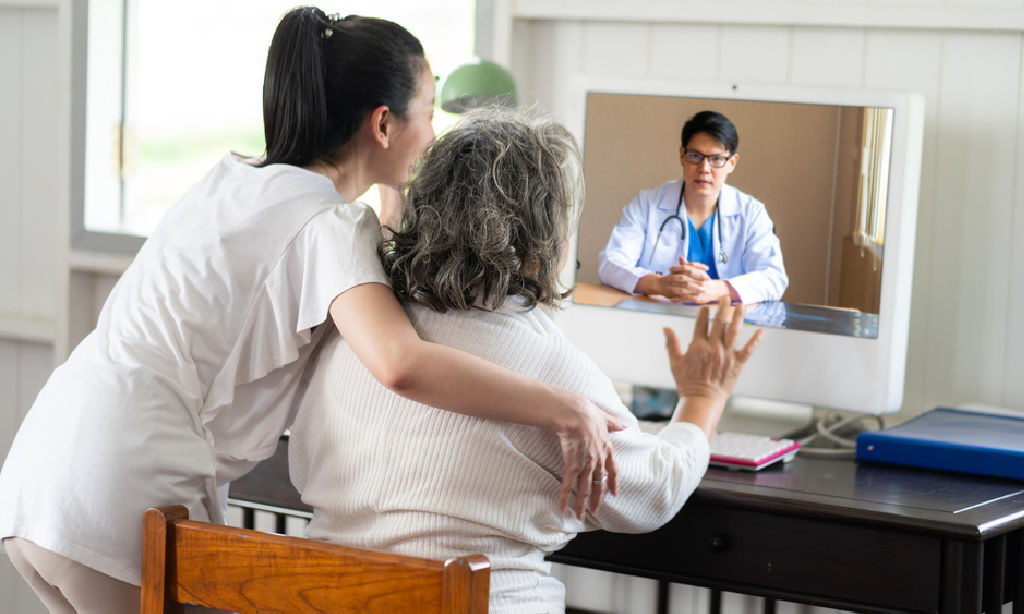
(488, 214)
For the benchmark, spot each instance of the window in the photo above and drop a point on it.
(173, 87)
(873, 185)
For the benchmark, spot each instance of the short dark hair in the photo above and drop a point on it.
(488, 214)
(324, 73)
(714, 124)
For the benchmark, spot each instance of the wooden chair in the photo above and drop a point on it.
(189, 562)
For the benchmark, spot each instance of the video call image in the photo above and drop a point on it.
(820, 171)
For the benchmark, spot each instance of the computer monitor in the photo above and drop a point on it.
(838, 172)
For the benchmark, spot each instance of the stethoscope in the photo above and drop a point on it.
(723, 257)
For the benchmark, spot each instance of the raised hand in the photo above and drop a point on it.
(706, 373)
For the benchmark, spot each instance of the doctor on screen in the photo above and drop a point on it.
(697, 239)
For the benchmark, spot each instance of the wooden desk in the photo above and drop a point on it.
(836, 533)
(857, 536)
(604, 296)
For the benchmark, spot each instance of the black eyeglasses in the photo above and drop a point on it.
(714, 160)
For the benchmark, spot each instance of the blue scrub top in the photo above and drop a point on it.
(700, 248)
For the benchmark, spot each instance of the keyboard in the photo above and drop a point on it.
(750, 452)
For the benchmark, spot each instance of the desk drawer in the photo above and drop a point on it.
(724, 547)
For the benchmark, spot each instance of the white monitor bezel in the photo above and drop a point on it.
(816, 369)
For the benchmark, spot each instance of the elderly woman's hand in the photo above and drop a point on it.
(587, 452)
(706, 373)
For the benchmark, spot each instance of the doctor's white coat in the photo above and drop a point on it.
(754, 258)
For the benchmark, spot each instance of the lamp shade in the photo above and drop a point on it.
(478, 84)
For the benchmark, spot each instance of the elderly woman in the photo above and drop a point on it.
(475, 261)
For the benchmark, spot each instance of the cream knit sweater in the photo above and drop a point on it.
(384, 472)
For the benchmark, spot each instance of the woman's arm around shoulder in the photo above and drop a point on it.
(374, 324)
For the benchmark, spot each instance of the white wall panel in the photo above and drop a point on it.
(754, 54)
(555, 53)
(587, 588)
(17, 596)
(968, 259)
(923, 3)
(1013, 386)
(10, 163)
(10, 417)
(827, 56)
(912, 61)
(684, 599)
(684, 52)
(40, 144)
(616, 49)
(23, 370)
(29, 146)
(519, 56)
(632, 594)
(981, 4)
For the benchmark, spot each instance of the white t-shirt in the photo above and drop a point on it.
(191, 374)
(384, 472)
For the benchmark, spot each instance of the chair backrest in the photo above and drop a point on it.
(189, 562)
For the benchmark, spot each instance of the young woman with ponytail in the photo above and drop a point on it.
(194, 368)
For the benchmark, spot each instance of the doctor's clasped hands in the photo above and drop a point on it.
(687, 282)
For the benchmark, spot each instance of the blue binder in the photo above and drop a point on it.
(968, 441)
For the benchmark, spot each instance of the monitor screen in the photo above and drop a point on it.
(820, 170)
(837, 173)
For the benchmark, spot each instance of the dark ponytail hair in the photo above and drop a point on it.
(324, 74)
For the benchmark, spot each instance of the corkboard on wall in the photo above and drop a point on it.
(788, 160)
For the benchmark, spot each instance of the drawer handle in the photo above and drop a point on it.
(719, 543)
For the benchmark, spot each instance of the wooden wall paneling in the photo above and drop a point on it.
(23, 369)
(89, 291)
(827, 56)
(980, 4)
(755, 54)
(1013, 383)
(616, 49)
(685, 599)
(603, 591)
(589, 589)
(685, 52)
(519, 58)
(36, 364)
(632, 594)
(10, 164)
(9, 578)
(555, 52)
(82, 312)
(10, 416)
(911, 61)
(969, 253)
(40, 146)
(102, 285)
(16, 593)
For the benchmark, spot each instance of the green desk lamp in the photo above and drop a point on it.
(478, 84)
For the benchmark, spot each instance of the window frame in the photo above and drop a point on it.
(99, 65)
(94, 55)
